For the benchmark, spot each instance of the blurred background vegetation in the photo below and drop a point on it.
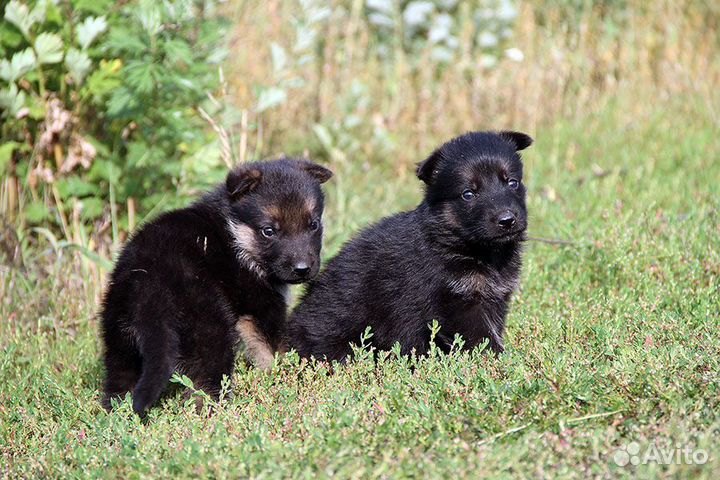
(113, 111)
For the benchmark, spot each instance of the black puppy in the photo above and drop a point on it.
(454, 259)
(191, 282)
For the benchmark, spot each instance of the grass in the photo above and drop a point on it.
(612, 339)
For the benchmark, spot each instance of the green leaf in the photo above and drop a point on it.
(11, 100)
(138, 154)
(49, 48)
(36, 212)
(182, 83)
(324, 136)
(74, 186)
(78, 64)
(122, 40)
(37, 14)
(121, 102)
(36, 107)
(178, 50)
(9, 37)
(279, 57)
(49, 236)
(142, 76)
(92, 208)
(19, 15)
(270, 97)
(217, 56)
(180, 11)
(105, 170)
(89, 30)
(105, 79)
(21, 63)
(103, 263)
(53, 14)
(6, 151)
(150, 17)
(97, 7)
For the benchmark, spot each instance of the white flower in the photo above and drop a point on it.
(488, 39)
(515, 54)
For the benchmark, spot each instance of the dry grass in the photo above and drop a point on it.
(575, 63)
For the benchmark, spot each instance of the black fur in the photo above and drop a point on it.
(185, 279)
(454, 259)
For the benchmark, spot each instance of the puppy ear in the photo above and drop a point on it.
(427, 169)
(241, 181)
(320, 173)
(519, 139)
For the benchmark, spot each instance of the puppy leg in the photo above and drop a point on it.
(211, 363)
(158, 363)
(257, 349)
(122, 367)
(159, 350)
(122, 364)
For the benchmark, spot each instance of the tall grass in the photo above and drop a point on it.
(370, 116)
(578, 56)
(359, 109)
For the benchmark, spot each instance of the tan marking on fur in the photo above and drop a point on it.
(296, 218)
(449, 216)
(468, 284)
(310, 204)
(257, 349)
(292, 216)
(274, 212)
(245, 246)
(476, 283)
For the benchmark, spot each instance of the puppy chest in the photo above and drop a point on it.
(482, 285)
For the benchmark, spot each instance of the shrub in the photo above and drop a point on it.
(99, 103)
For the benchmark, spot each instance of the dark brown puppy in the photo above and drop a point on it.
(454, 259)
(189, 283)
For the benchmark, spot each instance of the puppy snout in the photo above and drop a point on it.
(301, 269)
(507, 220)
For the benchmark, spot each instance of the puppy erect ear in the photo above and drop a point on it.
(242, 180)
(427, 169)
(519, 139)
(321, 174)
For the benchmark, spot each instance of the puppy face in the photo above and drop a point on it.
(276, 218)
(474, 187)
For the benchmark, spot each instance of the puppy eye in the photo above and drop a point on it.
(314, 225)
(468, 194)
(512, 183)
(268, 231)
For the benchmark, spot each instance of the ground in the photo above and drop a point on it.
(613, 339)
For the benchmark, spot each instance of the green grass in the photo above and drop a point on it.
(612, 339)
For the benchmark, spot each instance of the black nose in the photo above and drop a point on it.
(506, 220)
(301, 269)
